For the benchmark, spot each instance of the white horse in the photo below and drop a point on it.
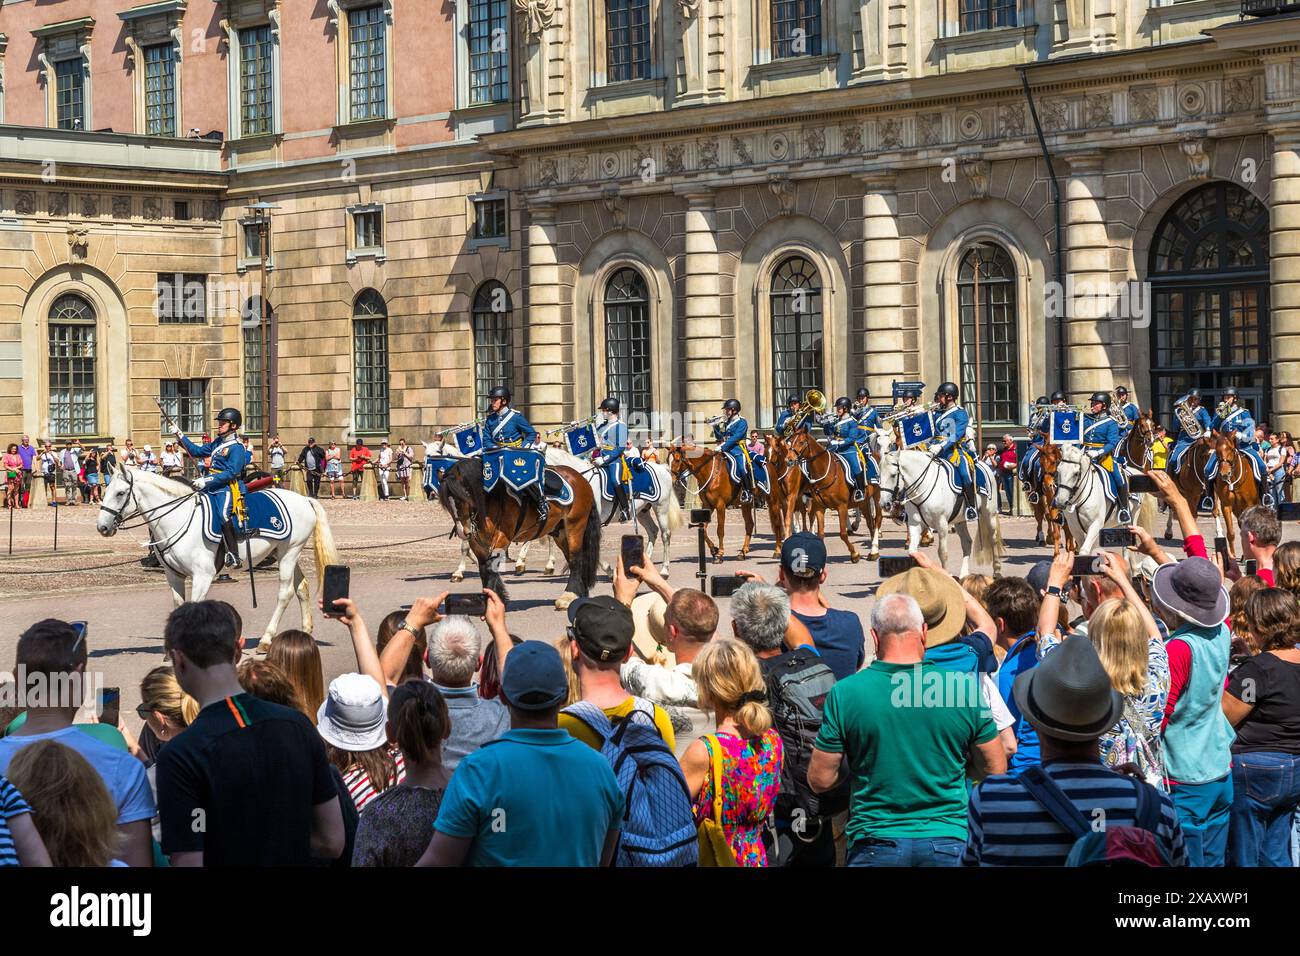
(171, 511)
(1081, 498)
(659, 518)
(919, 481)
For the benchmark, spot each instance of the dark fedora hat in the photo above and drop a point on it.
(1069, 695)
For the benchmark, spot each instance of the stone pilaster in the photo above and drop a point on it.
(897, 52)
(706, 362)
(1284, 276)
(1087, 264)
(882, 286)
(550, 351)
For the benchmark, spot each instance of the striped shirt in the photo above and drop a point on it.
(1008, 827)
(12, 805)
(360, 787)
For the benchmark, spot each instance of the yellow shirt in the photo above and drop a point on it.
(1159, 453)
(581, 731)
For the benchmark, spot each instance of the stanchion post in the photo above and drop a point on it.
(11, 529)
(56, 525)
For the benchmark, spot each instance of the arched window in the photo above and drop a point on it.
(370, 362)
(492, 344)
(990, 343)
(72, 366)
(796, 299)
(1209, 291)
(627, 29)
(627, 342)
(256, 328)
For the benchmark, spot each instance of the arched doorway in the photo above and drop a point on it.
(1210, 303)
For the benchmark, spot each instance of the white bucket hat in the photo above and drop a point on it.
(352, 714)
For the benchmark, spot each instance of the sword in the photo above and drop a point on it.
(170, 421)
(248, 553)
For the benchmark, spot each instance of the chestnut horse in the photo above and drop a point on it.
(787, 484)
(1049, 457)
(1235, 487)
(490, 522)
(1189, 477)
(829, 487)
(714, 489)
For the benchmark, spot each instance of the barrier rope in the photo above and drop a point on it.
(99, 567)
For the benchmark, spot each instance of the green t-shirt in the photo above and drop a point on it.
(906, 731)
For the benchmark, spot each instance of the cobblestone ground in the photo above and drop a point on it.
(398, 551)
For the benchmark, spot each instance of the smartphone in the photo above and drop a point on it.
(338, 577)
(888, 566)
(1288, 511)
(700, 515)
(633, 551)
(1142, 485)
(1086, 564)
(725, 585)
(1117, 538)
(1249, 567)
(1221, 545)
(473, 604)
(107, 705)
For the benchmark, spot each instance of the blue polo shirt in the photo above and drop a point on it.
(532, 798)
(1023, 656)
(839, 639)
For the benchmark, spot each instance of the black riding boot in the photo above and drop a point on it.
(747, 487)
(1125, 516)
(539, 499)
(860, 487)
(622, 503)
(972, 505)
(232, 544)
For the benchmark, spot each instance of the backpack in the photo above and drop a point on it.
(1135, 845)
(658, 823)
(797, 687)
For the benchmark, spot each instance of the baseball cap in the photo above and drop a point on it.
(533, 678)
(1038, 575)
(602, 627)
(803, 555)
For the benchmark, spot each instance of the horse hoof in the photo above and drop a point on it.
(855, 557)
(873, 555)
(457, 578)
(519, 569)
(564, 600)
(549, 569)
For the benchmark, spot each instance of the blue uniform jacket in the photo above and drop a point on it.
(229, 459)
(951, 426)
(868, 418)
(732, 436)
(1131, 411)
(1238, 422)
(785, 416)
(1202, 416)
(613, 441)
(508, 428)
(845, 433)
(1100, 435)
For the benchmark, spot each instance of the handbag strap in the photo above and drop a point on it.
(715, 763)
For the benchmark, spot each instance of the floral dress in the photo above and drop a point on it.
(751, 777)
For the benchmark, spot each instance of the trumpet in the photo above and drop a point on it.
(715, 420)
(456, 428)
(561, 429)
(904, 411)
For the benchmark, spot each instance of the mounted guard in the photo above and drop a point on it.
(1233, 418)
(793, 417)
(229, 458)
(1101, 438)
(509, 451)
(731, 430)
(951, 422)
(1194, 423)
(1031, 469)
(1124, 410)
(851, 441)
(611, 456)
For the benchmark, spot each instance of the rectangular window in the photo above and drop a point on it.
(72, 378)
(367, 68)
(987, 14)
(69, 86)
(181, 210)
(489, 51)
(181, 298)
(368, 229)
(160, 90)
(182, 399)
(252, 242)
(796, 28)
(370, 340)
(490, 219)
(255, 81)
(254, 366)
(627, 24)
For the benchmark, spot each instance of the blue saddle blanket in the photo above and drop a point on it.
(267, 515)
(434, 468)
(983, 476)
(518, 467)
(760, 472)
(646, 483)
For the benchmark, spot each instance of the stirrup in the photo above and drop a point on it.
(1034, 497)
(972, 514)
(1206, 504)
(1268, 501)
(232, 560)
(745, 497)
(1124, 517)
(859, 494)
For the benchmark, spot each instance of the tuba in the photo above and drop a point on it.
(1187, 419)
(1116, 410)
(814, 403)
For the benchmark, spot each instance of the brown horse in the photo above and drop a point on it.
(829, 487)
(1049, 457)
(787, 494)
(491, 522)
(1189, 476)
(716, 490)
(1137, 445)
(1235, 487)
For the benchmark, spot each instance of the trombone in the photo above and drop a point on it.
(814, 403)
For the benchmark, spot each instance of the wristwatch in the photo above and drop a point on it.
(404, 627)
(1055, 590)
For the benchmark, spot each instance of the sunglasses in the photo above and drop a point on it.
(143, 712)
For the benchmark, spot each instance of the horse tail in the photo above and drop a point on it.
(674, 512)
(587, 561)
(1148, 514)
(322, 542)
(984, 548)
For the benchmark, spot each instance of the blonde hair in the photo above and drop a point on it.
(570, 675)
(725, 671)
(71, 808)
(977, 585)
(1118, 632)
(296, 653)
(161, 692)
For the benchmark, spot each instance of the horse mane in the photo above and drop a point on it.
(562, 456)
(168, 486)
(464, 482)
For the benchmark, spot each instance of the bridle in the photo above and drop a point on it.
(688, 472)
(123, 515)
(1071, 501)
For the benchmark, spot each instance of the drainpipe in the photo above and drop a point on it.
(1062, 352)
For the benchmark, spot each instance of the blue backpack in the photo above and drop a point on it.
(658, 825)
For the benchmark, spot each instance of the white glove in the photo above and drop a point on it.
(176, 430)
(200, 484)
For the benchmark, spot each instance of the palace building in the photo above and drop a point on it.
(671, 201)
